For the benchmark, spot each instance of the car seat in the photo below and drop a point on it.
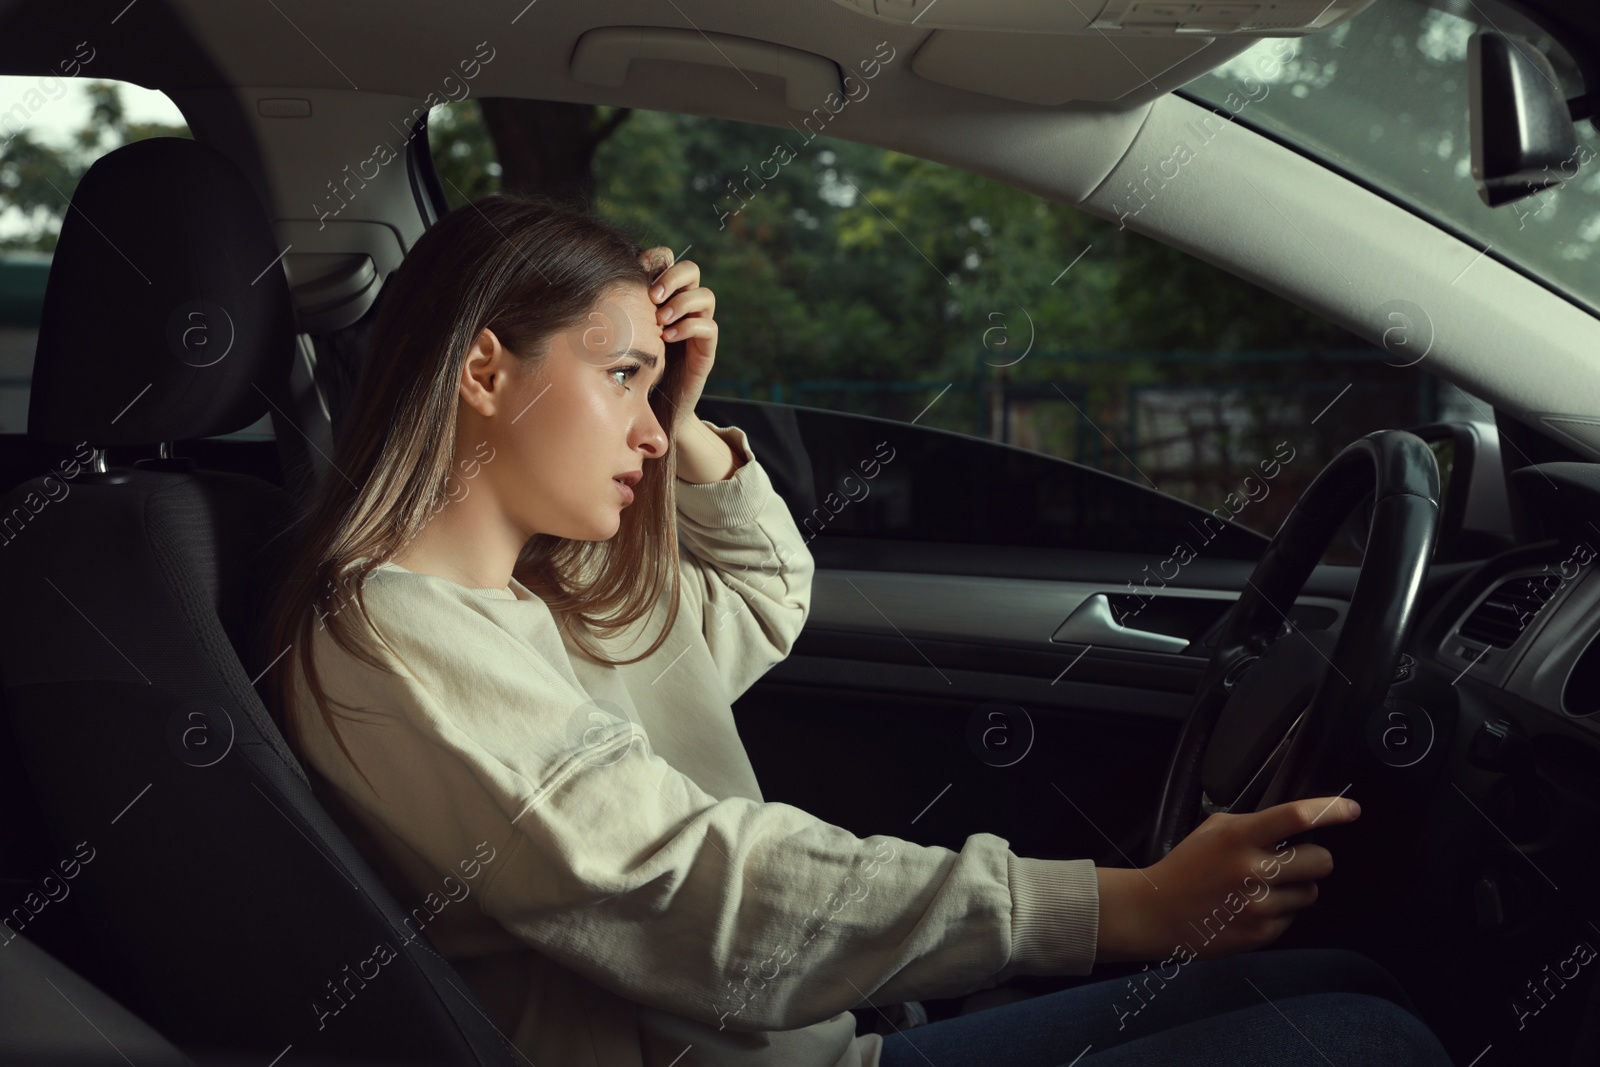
(231, 910)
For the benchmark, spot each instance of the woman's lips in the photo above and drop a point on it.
(627, 494)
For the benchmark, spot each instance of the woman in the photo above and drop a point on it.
(570, 578)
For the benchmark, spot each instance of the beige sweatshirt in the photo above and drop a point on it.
(589, 847)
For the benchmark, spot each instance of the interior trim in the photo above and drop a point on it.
(1006, 611)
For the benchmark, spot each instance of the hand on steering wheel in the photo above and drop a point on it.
(1233, 885)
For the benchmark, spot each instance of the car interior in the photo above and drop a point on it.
(177, 891)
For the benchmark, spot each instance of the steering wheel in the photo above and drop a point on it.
(1278, 708)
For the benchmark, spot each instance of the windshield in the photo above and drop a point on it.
(1384, 98)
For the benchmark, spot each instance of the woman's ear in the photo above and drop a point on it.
(483, 370)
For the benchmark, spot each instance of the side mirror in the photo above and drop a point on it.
(1523, 138)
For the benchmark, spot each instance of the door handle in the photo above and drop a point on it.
(1092, 624)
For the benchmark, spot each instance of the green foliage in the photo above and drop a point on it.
(836, 260)
(39, 179)
(463, 153)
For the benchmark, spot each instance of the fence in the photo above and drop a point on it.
(1185, 423)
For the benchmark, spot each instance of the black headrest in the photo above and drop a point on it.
(166, 304)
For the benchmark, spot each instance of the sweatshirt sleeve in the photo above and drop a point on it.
(741, 914)
(746, 571)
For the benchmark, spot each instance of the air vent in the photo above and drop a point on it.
(1508, 609)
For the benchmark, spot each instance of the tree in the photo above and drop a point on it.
(548, 146)
(39, 179)
(463, 153)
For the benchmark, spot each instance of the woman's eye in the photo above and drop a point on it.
(631, 369)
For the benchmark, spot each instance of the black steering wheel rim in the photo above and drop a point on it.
(1399, 470)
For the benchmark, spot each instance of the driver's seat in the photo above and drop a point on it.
(231, 910)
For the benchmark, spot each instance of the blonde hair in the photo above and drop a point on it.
(526, 268)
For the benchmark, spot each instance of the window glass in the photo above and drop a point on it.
(51, 130)
(854, 279)
(1384, 96)
(462, 152)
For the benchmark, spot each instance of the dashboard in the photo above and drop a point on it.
(1527, 620)
(1498, 852)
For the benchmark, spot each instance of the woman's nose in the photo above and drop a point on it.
(651, 436)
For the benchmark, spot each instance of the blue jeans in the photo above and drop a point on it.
(1271, 1008)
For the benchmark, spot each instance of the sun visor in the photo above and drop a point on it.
(1121, 52)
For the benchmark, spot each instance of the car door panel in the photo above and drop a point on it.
(934, 692)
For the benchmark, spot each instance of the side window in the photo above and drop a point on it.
(52, 128)
(462, 152)
(861, 281)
